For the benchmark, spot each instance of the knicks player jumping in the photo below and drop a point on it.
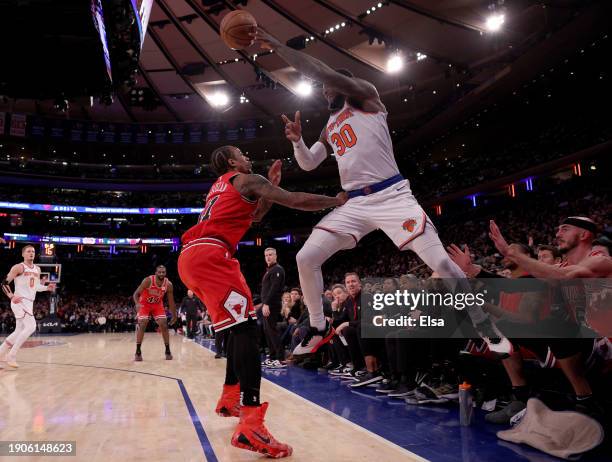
(207, 267)
(26, 276)
(358, 137)
(149, 299)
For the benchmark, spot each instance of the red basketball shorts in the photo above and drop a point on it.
(207, 267)
(146, 310)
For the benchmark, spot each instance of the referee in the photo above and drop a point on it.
(271, 298)
(190, 306)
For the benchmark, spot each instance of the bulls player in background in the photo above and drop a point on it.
(358, 137)
(149, 299)
(207, 267)
(26, 276)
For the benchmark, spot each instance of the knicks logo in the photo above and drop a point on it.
(409, 225)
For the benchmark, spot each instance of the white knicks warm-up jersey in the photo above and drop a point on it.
(362, 147)
(27, 282)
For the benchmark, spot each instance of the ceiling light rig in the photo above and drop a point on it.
(497, 16)
(375, 7)
(335, 28)
(304, 89)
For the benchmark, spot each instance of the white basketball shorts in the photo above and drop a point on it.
(23, 308)
(393, 210)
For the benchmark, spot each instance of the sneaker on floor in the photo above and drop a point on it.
(138, 357)
(447, 391)
(11, 364)
(328, 367)
(503, 416)
(218, 356)
(353, 375)
(387, 386)
(276, 364)
(169, 356)
(402, 391)
(252, 434)
(340, 370)
(367, 379)
(425, 394)
(267, 363)
(314, 340)
(495, 340)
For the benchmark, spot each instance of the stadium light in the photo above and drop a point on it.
(395, 64)
(304, 89)
(495, 22)
(219, 99)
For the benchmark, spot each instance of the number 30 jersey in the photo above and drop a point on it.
(362, 147)
(227, 214)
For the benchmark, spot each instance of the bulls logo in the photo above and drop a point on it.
(409, 225)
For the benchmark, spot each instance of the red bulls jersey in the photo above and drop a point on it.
(154, 294)
(227, 214)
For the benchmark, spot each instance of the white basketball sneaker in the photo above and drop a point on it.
(496, 341)
(314, 340)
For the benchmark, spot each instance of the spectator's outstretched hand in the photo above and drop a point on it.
(497, 238)
(462, 258)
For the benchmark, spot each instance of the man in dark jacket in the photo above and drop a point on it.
(271, 298)
(190, 306)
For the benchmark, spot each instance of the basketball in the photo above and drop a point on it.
(236, 27)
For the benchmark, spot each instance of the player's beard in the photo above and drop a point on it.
(569, 245)
(337, 103)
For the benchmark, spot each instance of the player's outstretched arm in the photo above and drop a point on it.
(264, 205)
(317, 70)
(258, 186)
(307, 159)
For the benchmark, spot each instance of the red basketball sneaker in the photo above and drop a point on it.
(252, 434)
(229, 403)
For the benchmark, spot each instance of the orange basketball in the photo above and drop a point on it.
(236, 27)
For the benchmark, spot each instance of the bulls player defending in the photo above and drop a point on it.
(207, 267)
(26, 276)
(358, 137)
(149, 299)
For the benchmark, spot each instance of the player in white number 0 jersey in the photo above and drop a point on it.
(379, 197)
(26, 276)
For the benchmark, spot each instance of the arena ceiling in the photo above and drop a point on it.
(447, 48)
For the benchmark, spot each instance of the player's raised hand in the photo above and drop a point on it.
(274, 173)
(51, 287)
(293, 129)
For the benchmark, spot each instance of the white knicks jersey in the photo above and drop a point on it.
(27, 282)
(362, 147)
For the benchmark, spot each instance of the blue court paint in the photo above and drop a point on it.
(195, 419)
(432, 432)
(209, 452)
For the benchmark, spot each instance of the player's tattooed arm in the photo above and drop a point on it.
(264, 205)
(258, 186)
(146, 282)
(317, 70)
